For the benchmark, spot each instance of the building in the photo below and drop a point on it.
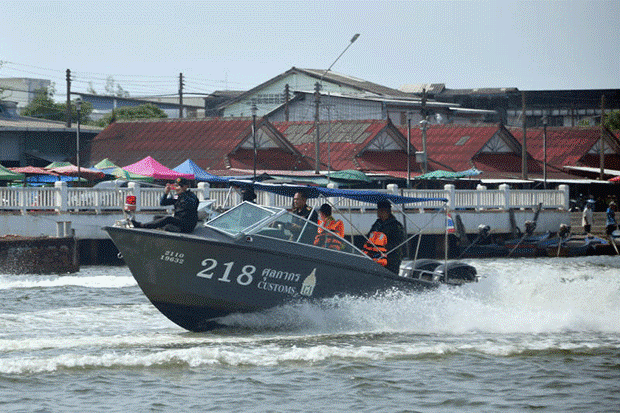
(21, 90)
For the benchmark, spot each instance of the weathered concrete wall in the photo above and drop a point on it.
(38, 255)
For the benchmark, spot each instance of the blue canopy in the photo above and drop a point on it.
(190, 167)
(316, 191)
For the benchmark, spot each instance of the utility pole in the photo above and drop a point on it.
(68, 112)
(544, 121)
(181, 95)
(254, 136)
(286, 101)
(317, 99)
(524, 146)
(602, 145)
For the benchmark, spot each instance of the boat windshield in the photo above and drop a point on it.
(251, 219)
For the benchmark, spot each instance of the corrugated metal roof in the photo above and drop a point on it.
(27, 123)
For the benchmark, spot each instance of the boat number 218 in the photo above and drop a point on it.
(211, 267)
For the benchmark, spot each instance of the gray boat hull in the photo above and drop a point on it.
(196, 279)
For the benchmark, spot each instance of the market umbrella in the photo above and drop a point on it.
(8, 175)
(86, 173)
(32, 170)
(349, 175)
(120, 173)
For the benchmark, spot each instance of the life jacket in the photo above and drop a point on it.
(327, 240)
(375, 247)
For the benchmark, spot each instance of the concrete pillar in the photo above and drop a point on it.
(505, 188)
(135, 190)
(61, 196)
(479, 199)
(451, 195)
(203, 191)
(566, 196)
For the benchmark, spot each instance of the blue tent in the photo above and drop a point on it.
(190, 167)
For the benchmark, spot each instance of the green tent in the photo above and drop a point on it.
(8, 175)
(58, 165)
(349, 175)
(130, 176)
(449, 175)
(105, 164)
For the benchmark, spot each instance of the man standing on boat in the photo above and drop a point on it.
(301, 209)
(185, 215)
(328, 222)
(385, 235)
(611, 224)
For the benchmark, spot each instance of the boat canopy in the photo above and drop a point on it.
(368, 196)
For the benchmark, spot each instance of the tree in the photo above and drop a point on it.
(612, 120)
(114, 89)
(146, 111)
(44, 107)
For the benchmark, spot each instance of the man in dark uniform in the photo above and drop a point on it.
(385, 234)
(185, 215)
(300, 208)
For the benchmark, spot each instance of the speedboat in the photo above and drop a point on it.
(250, 258)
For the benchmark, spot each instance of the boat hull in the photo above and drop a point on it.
(196, 279)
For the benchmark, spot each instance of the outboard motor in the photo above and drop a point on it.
(458, 273)
(530, 226)
(564, 231)
(484, 230)
(421, 269)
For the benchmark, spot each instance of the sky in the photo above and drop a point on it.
(236, 45)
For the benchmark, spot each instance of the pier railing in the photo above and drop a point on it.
(62, 198)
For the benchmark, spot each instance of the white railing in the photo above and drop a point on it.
(61, 198)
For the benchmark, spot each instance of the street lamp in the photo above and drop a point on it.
(544, 121)
(424, 127)
(78, 107)
(254, 135)
(317, 98)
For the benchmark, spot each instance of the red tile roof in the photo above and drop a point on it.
(569, 146)
(213, 143)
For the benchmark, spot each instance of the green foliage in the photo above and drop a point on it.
(44, 107)
(146, 111)
(612, 120)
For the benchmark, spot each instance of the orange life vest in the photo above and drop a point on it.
(327, 240)
(375, 247)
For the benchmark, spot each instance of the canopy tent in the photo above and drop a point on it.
(58, 164)
(72, 170)
(8, 175)
(615, 179)
(440, 174)
(316, 191)
(150, 167)
(105, 164)
(120, 173)
(190, 167)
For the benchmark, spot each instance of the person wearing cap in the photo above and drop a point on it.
(587, 216)
(333, 226)
(185, 216)
(610, 224)
(301, 209)
(385, 235)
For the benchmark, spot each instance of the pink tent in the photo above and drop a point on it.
(150, 167)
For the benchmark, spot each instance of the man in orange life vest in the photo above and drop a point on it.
(326, 221)
(385, 234)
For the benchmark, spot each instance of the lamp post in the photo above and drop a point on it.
(424, 127)
(544, 121)
(78, 107)
(317, 98)
(254, 135)
(408, 150)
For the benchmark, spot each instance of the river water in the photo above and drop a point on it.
(533, 334)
